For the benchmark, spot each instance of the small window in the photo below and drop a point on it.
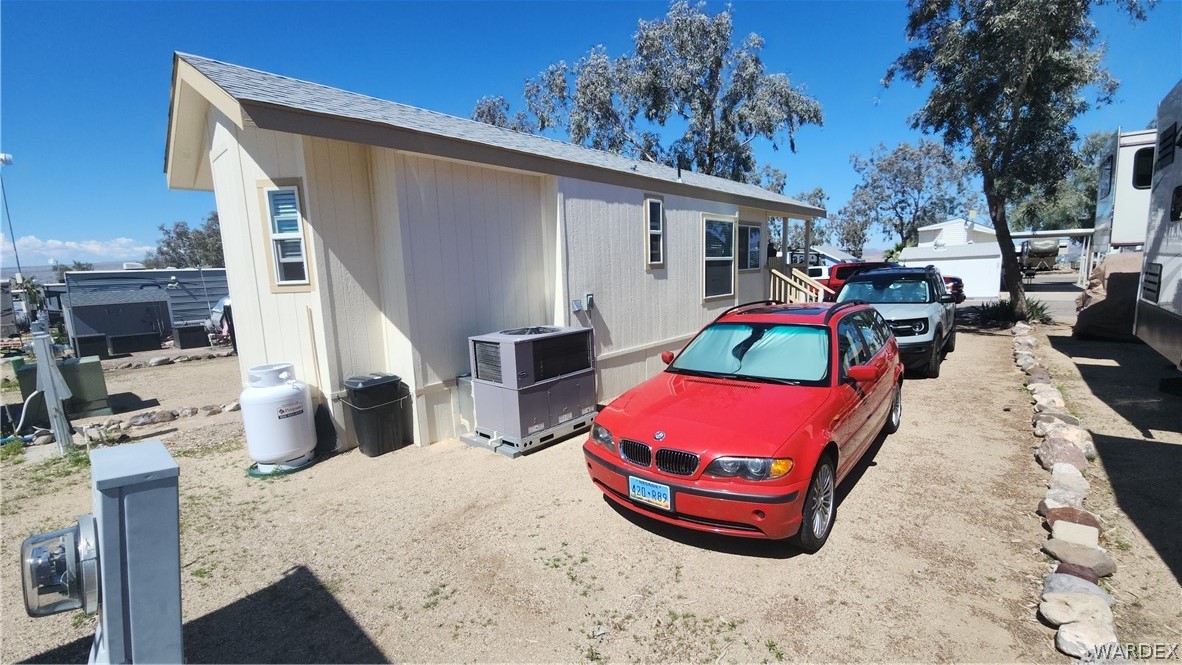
(655, 214)
(287, 236)
(871, 332)
(719, 268)
(851, 348)
(1143, 168)
(749, 239)
(1105, 183)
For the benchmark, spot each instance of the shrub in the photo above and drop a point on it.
(1002, 311)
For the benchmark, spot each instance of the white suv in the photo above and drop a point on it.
(918, 308)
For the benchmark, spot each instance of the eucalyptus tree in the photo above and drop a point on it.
(907, 187)
(685, 70)
(1070, 202)
(1007, 79)
(495, 111)
(850, 231)
(182, 246)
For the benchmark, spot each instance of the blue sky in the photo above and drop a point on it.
(84, 87)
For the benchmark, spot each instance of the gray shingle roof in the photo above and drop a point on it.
(245, 84)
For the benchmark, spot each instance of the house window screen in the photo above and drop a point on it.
(655, 216)
(719, 269)
(287, 236)
(749, 239)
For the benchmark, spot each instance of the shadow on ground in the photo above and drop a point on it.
(1126, 377)
(1144, 477)
(295, 620)
(124, 402)
(749, 547)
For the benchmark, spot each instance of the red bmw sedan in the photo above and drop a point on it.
(750, 430)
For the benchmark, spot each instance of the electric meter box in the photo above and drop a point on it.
(136, 513)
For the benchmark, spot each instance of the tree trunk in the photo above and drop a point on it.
(1010, 270)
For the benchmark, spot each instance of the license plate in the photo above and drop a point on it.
(654, 494)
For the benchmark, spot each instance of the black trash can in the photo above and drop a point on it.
(376, 405)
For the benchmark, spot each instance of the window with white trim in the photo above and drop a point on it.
(719, 260)
(654, 212)
(749, 251)
(287, 236)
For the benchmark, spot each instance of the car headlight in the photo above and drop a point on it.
(751, 468)
(916, 326)
(600, 435)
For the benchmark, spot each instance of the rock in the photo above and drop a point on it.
(1025, 341)
(1076, 435)
(181, 359)
(225, 354)
(1080, 534)
(1048, 399)
(140, 420)
(1067, 477)
(137, 365)
(208, 356)
(1062, 497)
(1073, 515)
(159, 360)
(212, 411)
(1037, 369)
(1037, 379)
(1060, 451)
(127, 365)
(187, 412)
(1061, 583)
(1077, 571)
(114, 427)
(1052, 417)
(42, 440)
(1026, 361)
(232, 406)
(1098, 560)
(1049, 503)
(1061, 608)
(163, 416)
(1081, 637)
(1021, 328)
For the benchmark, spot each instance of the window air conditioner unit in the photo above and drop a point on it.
(531, 386)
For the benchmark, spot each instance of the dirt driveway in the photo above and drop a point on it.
(451, 553)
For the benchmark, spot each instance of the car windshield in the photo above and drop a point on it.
(887, 290)
(758, 352)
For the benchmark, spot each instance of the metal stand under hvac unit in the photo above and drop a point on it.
(531, 387)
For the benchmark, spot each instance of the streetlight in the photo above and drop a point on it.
(6, 160)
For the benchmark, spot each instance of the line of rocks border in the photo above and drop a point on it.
(1071, 600)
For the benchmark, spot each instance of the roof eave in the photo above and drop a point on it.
(276, 117)
(193, 95)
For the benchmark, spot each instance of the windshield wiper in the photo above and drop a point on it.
(736, 377)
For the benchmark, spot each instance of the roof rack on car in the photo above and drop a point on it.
(842, 305)
(747, 304)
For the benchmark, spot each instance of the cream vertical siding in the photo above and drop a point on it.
(270, 327)
(476, 256)
(641, 311)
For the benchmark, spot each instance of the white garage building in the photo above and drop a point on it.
(961, 248)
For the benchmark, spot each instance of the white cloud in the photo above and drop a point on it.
(35, 251)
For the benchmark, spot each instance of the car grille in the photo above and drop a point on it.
(636, 452)
(677, 462)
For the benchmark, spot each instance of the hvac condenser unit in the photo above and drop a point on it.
(531, 386)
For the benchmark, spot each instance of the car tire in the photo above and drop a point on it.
(895, 417)
(820, 507)
(950, 345)
(932, 371)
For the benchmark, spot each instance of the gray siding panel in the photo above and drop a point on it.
(195, 290)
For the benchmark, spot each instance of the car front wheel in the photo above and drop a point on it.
(950, 345)
(820, 504)
(932, 371)
(896, 416)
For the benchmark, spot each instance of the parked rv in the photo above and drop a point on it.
(1158, 319)
(1039, 253)
(1122, 194)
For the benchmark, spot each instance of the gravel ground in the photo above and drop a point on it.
(449, 553)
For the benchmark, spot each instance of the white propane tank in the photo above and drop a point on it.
(277, 417)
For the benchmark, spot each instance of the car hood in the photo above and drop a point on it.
(897, 311)
(701, 414)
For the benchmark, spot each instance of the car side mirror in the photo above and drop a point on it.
(948, 298)
(863, 373)
(667, 357)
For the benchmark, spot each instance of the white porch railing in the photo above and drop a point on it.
(796, 287)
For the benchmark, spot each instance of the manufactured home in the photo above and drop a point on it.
(363, 236)
(1158, 319)
(1122, 192)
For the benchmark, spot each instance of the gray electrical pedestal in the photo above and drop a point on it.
(136, 514)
